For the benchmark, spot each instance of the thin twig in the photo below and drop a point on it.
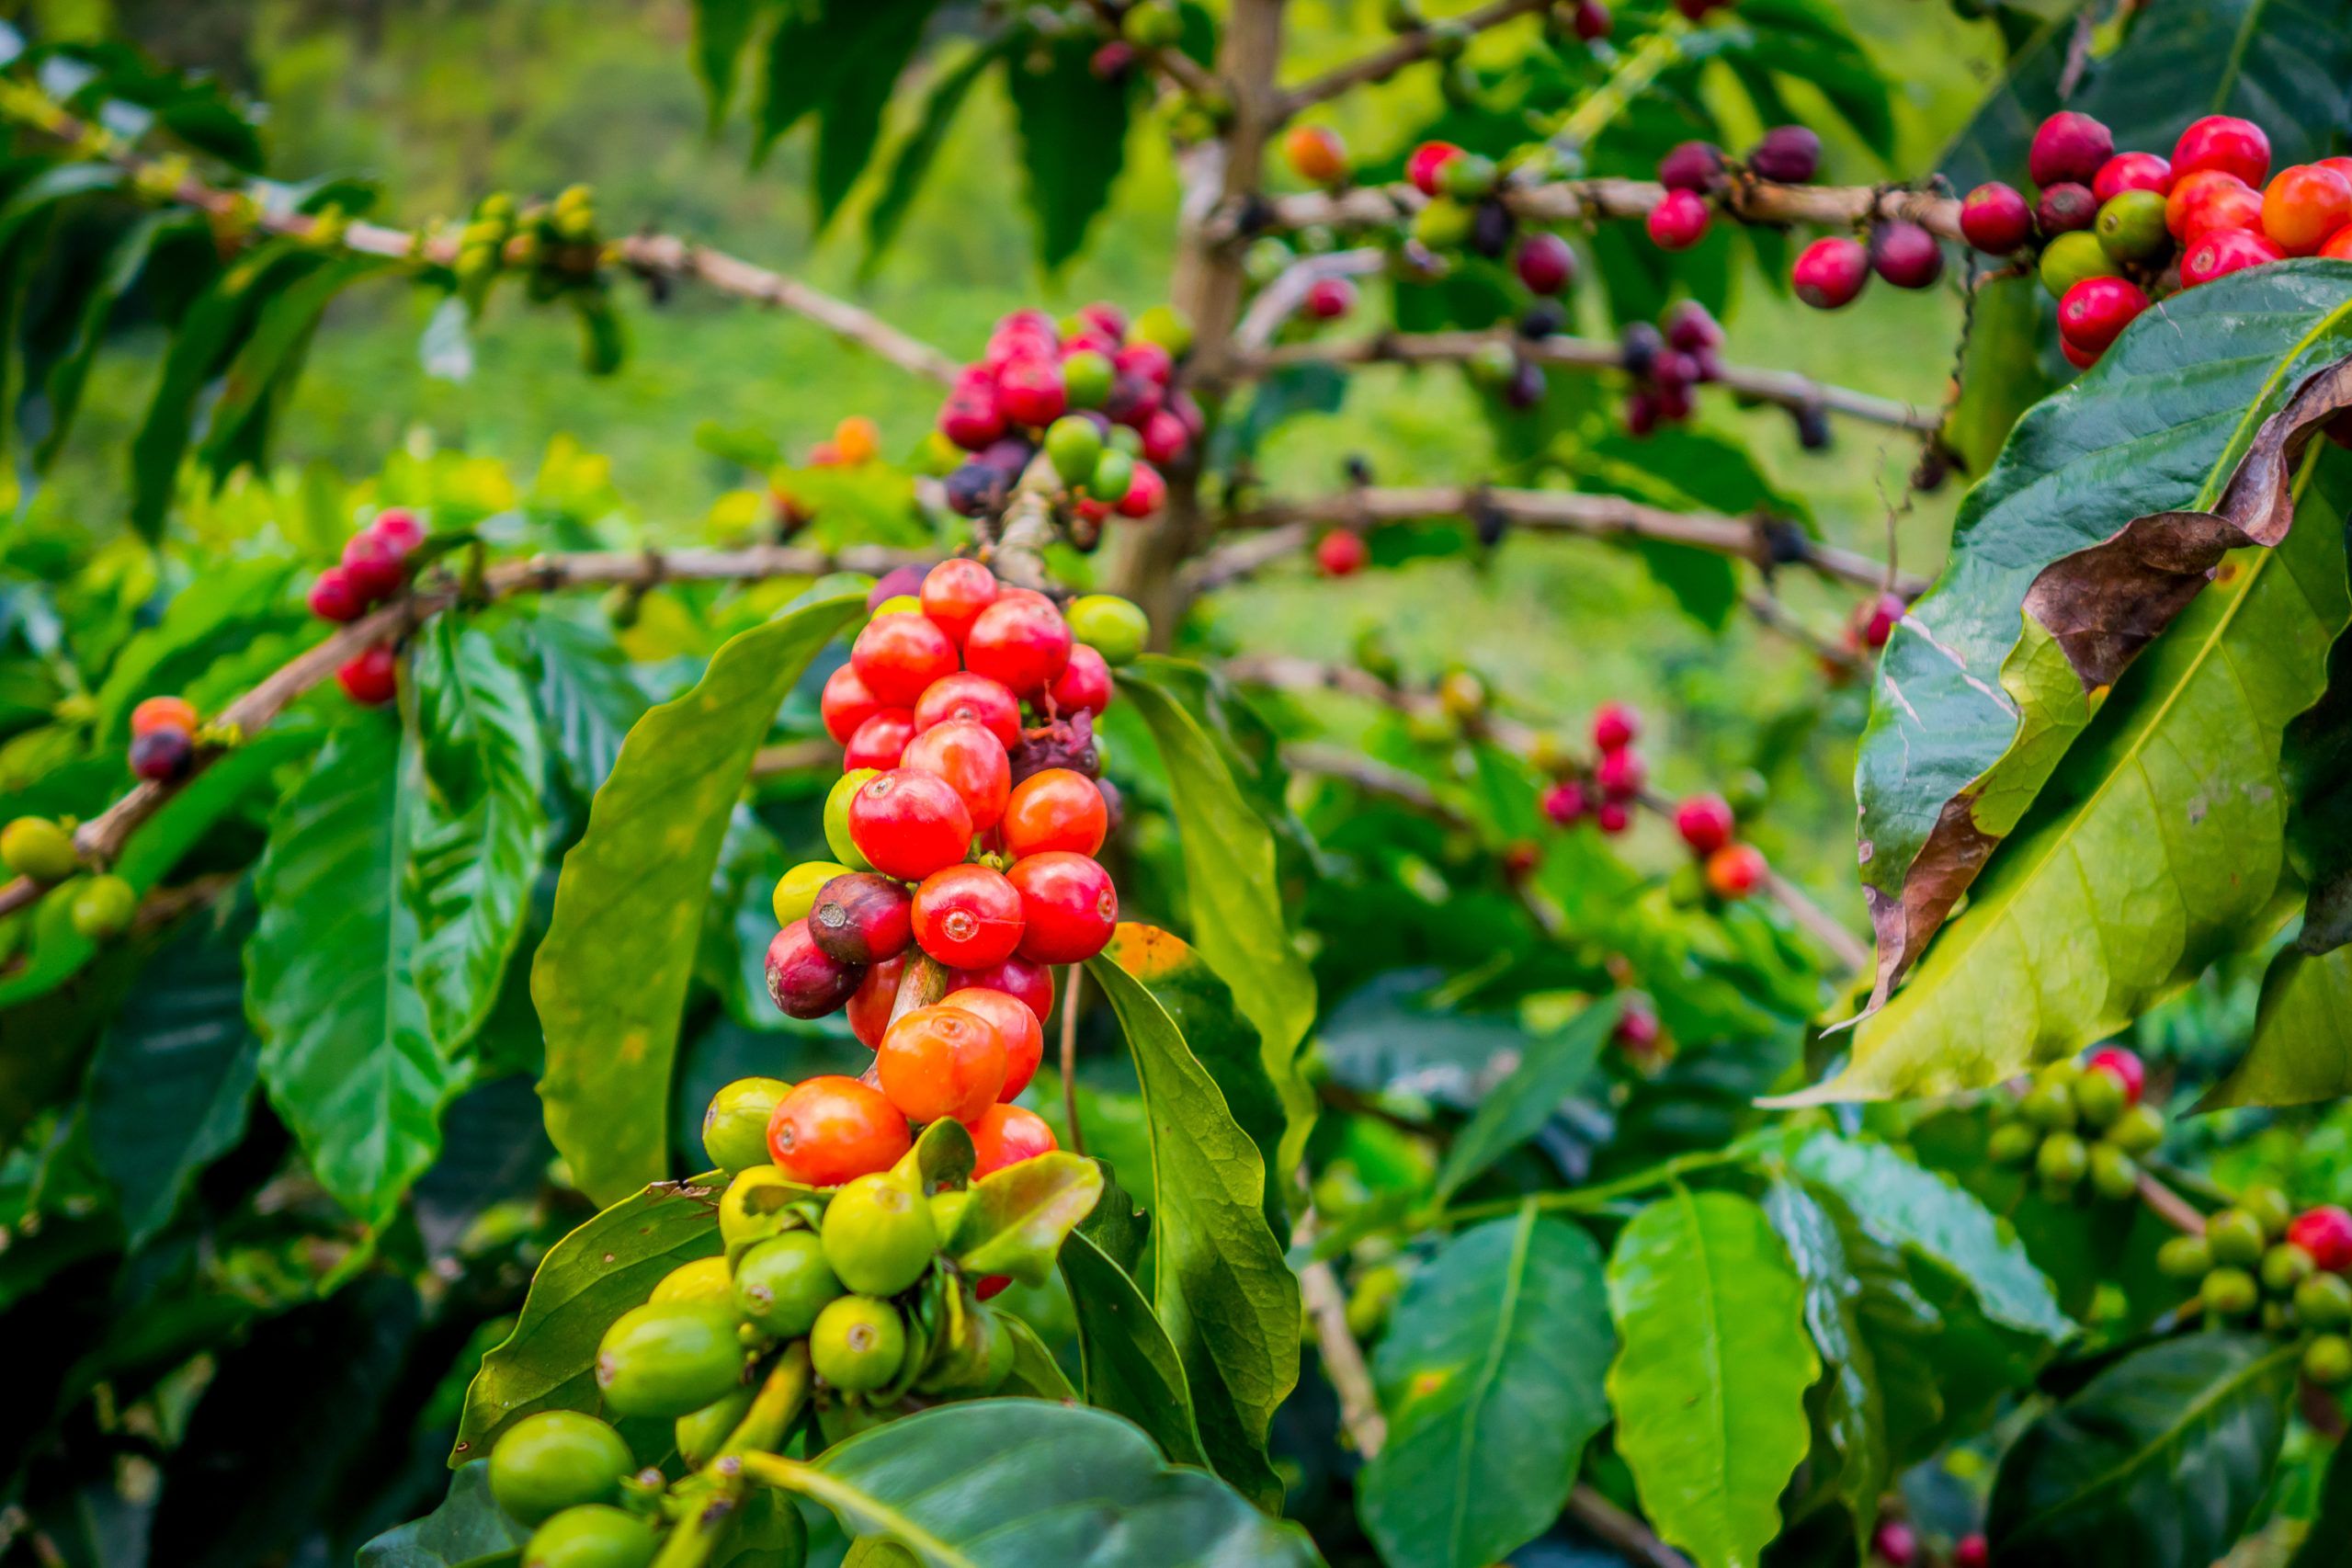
(1072, 977)
(1392, 57)
(1280, 299)
(1771, 612)
(1621, 1529)
(1342, 1359)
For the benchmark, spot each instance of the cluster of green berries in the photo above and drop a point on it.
(2259, 1260)
(100, 907)
(553, 242)
(2082, 1126)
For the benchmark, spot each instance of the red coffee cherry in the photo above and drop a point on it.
(162, 755)
(1906, 255)
(940, 1062)
(1030, 392)
(1057, 809)
(909, 823)
(832, 1130)
(1678, 222)
(1614, 726)
(1565, 804)
(1879, 618)
(1996, 219)
(2325, 1232)
(2068, 146)
(2225, 142)
(1083, 684)
(399, 529)
(869, 1009)
(879, 742)
(1972, 1552)
(2205, 199)
(333, 597)
(1028, 984)
(1896, 1544)
(969, 417)
(1692, 165)
(1829, 272)
(156, 713)
(2124, 1067)
(1068, 906)
(803, 980)
(2225, 251)
(846, 704)
(863, 918)
(1016, 1025)
(1165, 438)
(1316, 154)
(1006, 1135)
(2303, 205)
(370, 677)
(968, 916)
(1637, 1026)
(373, 569)
(1546, 263)
(1328, 299)
(1423, 167)
(988, 703)
(1613, 817)
(897, 656)
(1342, 552)
(1022, 641)
(1705, 822)
(971, 760)
(1736, 871)
(1592, 21)
(2131, 171)
(953, 595)
(1620, 774)
(2063, 208)
(2093, 312)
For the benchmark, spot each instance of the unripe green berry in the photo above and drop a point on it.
(1166, 326)
(1444, 224)
(2185, 1258)
(2061, 1161)
(878, 1234)
(2235, 1238)
(700, 1434)
(1493, 363)
(858, 1344)
(2327, 1361)
(2131, 226)
(38, 848)
(1152, 24)
(2323, 1301)
(104, 907)
(734, 1130)
(2231, 1292)
(1086, 378)
(1266, 259)
(2273, 1317)
(1467, 177)
(899, 604)
(2284, 1267)
(2114, 1175)
(836, 817)
(556, 1459)
(598, 1536)
(2049, 1106)
(2270, 1207)
(2070, 257)
(704, 1280)
(1073, 444)
(1113, 476)
(2013, 1142)
(2099, 1098)
(782, 1283)
(669, 1359)
(2138, 1131)
(1113, 627)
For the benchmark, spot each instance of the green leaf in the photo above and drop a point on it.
(722, 32)
(348, 1050)
(2161, 1459)
(174, 1076)
(260, 377)
(1235, 900)
(2300, 1052)
(1015, 1483)
(1073, 128)
(1929, 1215)
(1517, 1108)
(2329, 1539)
(1130, 1365)
(1220, 1282)
(1035, 1371)
(70, 371)
(475, 847)
(1809, 41)
(806, 76)
(591, 1277)
(1017, 1217)
(611, 976)
(206, 624)
(1491, 1377)
(585, 695)
(1708, 1385)
(467, 1527)
(911, 161)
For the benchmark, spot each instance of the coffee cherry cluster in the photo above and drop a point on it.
(1733, 869)
(163, 739)
(1094, 370)
(1696, 175)
(100, 907)
(964, 837)
(2259, 1260)
(375, 566)
(552, 244)
(1896, 1544)
(2115, 230)
(2081, 1126)
(1668, 366)
(1607, 792)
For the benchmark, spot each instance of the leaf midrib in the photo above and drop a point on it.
(1506, 1323)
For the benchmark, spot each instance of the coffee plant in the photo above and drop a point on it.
(898, 1024)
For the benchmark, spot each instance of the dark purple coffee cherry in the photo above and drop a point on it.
(1526, 387)
(2065, 208)
(1490, 229)
(976, 489)
(1543, 319)
(1906, 255)
(1638, 345)
(1788, 154)
(1692, 165)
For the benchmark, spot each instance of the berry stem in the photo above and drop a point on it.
(923, 983)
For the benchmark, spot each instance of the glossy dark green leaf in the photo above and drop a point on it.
(2158, 1462)
(1810, 41)
(805, 76)
(912, 159)
(1072, 129)
(1708, 1385)
(467, 1527)
(1551, 1068)
(2329, 1539)
(1012, 1484)
(1490, 1375)
(1130, 1365)
(587, 697)
(591, 1277)
(1035, 1371)
(723, 30)
(70, 371)
(1219, 1280)
(1016, 1217)
(2188, 438)
(611, 976)
(174, 1076)
(475, 845)
(260, 377)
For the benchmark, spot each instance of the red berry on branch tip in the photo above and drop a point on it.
(2225, 142)
(1614, 726)
(1678, 222)
(370, 677)
(1829, 272)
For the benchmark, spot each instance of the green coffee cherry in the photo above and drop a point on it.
(2061, 1161)
(1087, 378)
(2185, 1258)
(593, 1537)
(1111, 625)
(754, 1206)
(2235, 1238)
(2285, 1266)
(1113, 476)
(2013, 1142)
(2070, 257)
(2270, 1207)
(704, 1280)
(40, 848)
(669, 1358)
(1152, 24)
(782, 1283)
(898, 604)
(2327, 1361)
(797, 890)
(2114, 1176)
(104, 907)
(556, 1459)
(768, 1533)
(947, 1210)
(702, 1434)
(2138, 1131)
(2049, 1106)
(734, 1130)
(2323, 1301)
(1444, 224)
(2273, 1317)
(2131, 226)
(2231, 1292)
(836, 817)
(1163, 324)
(1073, 444)
(878, 1234)
(2099, 1098)
(858, 1344)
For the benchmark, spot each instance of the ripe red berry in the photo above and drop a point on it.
(2225, 142)
(1691, 330)
(1019, 1028)
(1145, 492)
(1692, 165)
(1614, 726)
(1084, 686)
(1546, 263)
(1058, 809)
(1020, 640)
(868, 1008)
(1620, 774)
(1878, 620)
(399, 529)
(1705, 822)
(1006, 1135)
(2124, 1067)
(988, 703)
(2224, 251)
(2065, 208)
(940, 1062)
(2325, 1232)
(1972, 1552)
(1736, 871)
(1030, 392)
(909, 823)
(2303, 205)
(2204, 199)
(1165, 438)
(953, 595)
(1316, 154)
(969, 417)
(153, 713)
(372, 568)
(1678, 222)
(1788, 154)
(1068, 906)
(846, 704)
(1341, 552)
(972, 761)
(1427, 160)
(370, 677)
(1829, 272)
(1030, 983)
(832, 1130)
(1613, 817)
(2093, 312)
(1328, 299)
(162, 755)
(879, 742)
(1906, 255)
(803, 980)
(1592, 20)
(2068, 146)
(1896, 1544)
(863, 918)
(968, 916)
(2132, 171)
(1996, 219)
(334, 598)
(898, 656)
(2081, 358)
(1565, 804)
(1637, 1026)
